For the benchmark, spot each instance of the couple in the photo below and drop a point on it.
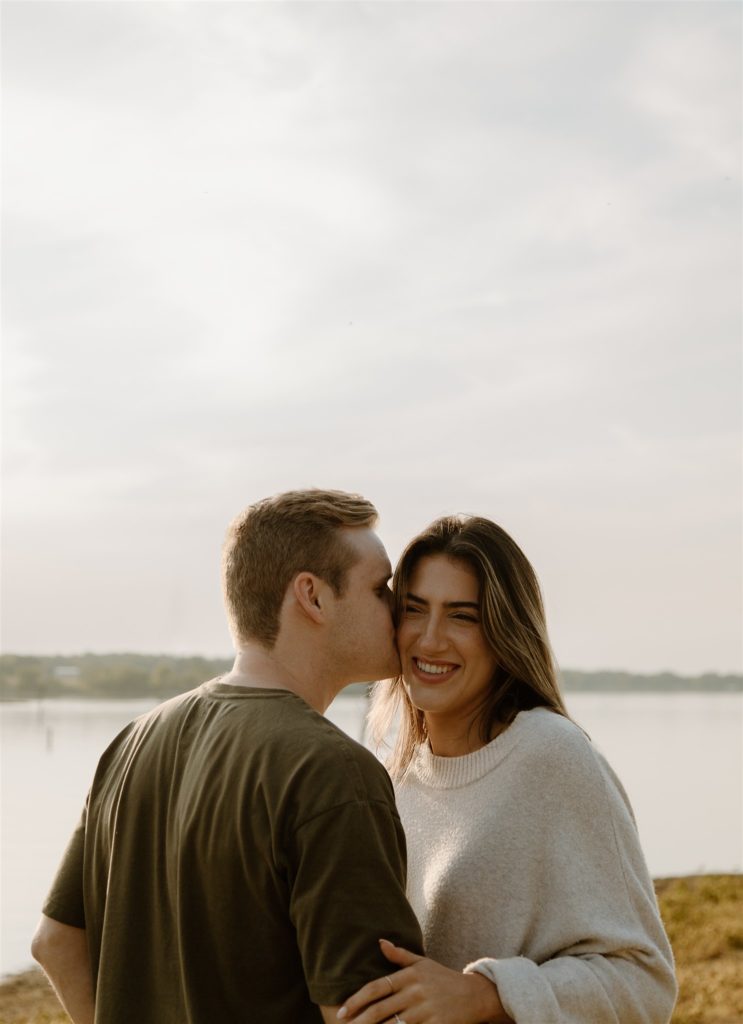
(239, 858)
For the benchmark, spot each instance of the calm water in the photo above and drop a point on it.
(680, 758)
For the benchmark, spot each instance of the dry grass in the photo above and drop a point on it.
(703, 916)
(704, 920)
(28, 999)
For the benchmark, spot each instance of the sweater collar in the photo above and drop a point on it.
(454, 772)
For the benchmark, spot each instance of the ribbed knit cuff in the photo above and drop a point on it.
(525, 995)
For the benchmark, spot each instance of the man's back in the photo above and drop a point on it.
(239, 860)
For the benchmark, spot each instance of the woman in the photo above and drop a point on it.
(524, 864)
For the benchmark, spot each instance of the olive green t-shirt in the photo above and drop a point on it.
(237, 860)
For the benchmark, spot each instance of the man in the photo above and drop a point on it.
(238, 856)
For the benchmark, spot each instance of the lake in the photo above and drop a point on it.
(680, 758)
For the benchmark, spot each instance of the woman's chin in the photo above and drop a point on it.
(424, 697)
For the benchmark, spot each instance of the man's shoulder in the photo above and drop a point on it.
(275, 737)
(308, 762)
(327, 749)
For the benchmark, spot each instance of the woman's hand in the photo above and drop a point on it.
(423, 992)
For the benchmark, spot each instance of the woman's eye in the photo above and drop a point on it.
(410, 609)
(464, 618)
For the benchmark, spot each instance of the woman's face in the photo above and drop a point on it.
(447, 664)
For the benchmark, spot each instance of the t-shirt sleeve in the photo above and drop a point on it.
(348, 891)
(64, 902)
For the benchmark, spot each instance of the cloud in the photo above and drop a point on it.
(688, 81)
(477, 256)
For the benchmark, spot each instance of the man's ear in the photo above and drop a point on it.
(308, 591)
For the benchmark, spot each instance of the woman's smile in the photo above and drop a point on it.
(433, 671)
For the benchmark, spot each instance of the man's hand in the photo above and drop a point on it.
(424, 992)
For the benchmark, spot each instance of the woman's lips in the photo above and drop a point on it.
(434, 671)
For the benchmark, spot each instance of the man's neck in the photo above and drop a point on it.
(257, 666)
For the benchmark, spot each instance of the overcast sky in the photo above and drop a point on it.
(478, 257)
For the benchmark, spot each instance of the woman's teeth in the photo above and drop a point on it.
(434, 670)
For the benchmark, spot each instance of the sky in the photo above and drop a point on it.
(459, 257)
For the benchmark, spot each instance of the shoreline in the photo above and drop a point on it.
(703, 915)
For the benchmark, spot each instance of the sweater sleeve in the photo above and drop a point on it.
(602, 956)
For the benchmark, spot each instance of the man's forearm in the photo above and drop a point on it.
(63, 953)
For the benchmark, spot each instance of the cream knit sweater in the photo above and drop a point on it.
(524, 864)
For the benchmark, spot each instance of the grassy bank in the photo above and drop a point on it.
(703, 916)
(704, 920)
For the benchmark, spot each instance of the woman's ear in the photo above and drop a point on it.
(307, 589)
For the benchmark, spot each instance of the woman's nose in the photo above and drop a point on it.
(432, 639)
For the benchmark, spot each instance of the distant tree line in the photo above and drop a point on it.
(104, 675)
(661, 682)
(25, 677)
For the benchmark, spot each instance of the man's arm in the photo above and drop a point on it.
(63, 953)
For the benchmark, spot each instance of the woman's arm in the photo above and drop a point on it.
(575, 989)
(600, 954)
(424, 991)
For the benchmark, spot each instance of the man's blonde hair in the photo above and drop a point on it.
(272, 541)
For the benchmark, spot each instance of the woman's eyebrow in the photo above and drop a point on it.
(447, 604)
